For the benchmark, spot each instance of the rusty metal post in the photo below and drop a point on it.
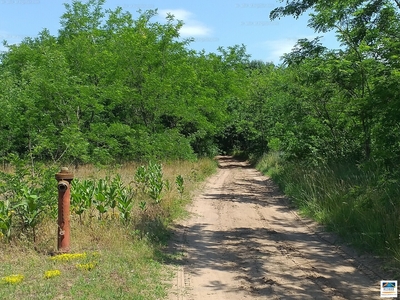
(64, 178)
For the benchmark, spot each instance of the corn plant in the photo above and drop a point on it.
(141, 178)
(142, 205)
(155, 182)
(112, 192)
(100, 198)
(150, 181)
(29, 210)
(19, 201)
(82, 194)
(125, 203)
(6, 214)
(179, 184)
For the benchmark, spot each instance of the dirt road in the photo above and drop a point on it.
(243, 241)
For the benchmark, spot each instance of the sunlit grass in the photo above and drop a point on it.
(109, 259)
(358, 203)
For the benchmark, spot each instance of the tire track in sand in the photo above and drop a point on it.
(244, 241)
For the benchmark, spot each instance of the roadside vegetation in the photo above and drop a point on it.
(355, 202)
(119, 229)
(137, 114)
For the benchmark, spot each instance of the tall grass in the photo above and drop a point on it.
(123, 258)
(360, 204)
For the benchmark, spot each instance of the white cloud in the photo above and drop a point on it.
(277, 48)
(194, 30)
(191, 27)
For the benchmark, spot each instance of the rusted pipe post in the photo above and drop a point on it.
(64, 178)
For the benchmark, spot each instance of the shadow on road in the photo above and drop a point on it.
(268, 257)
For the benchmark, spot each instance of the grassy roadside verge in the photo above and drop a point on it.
(361, 205)
(111, 259)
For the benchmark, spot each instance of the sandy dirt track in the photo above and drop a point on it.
(244, 241)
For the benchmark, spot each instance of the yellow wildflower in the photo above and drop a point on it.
(52, 273)
(89, 266)
(68, 256)
(13, 279)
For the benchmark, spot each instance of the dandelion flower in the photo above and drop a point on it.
(68, 256)
(52, 273)
(13, 279)
(89, 266)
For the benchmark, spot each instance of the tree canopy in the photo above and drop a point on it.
(111, 86)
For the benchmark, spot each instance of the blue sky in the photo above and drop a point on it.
(212, 23)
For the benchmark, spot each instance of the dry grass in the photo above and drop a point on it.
(192, 170)
(129, 265)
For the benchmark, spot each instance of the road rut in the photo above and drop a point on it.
(243, 240)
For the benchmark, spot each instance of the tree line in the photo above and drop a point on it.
(112, 87)
(327, 105)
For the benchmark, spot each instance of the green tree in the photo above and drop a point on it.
(113, 87)
(355, 77)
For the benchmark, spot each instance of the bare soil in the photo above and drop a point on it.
(244, 240)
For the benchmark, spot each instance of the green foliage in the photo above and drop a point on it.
(25, 198)
(343, 197)
(111, 193)
(125, 203)
(102, 195)
(6, 215)
(66, 98)
(100, 199)
(82, 193)
(150, 180)
(29, 208)
(155, 181)
(180, 184)
(26, 195)
(331, 116)
(339, 103)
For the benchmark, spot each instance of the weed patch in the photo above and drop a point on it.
(359, 204)
(119, 227)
